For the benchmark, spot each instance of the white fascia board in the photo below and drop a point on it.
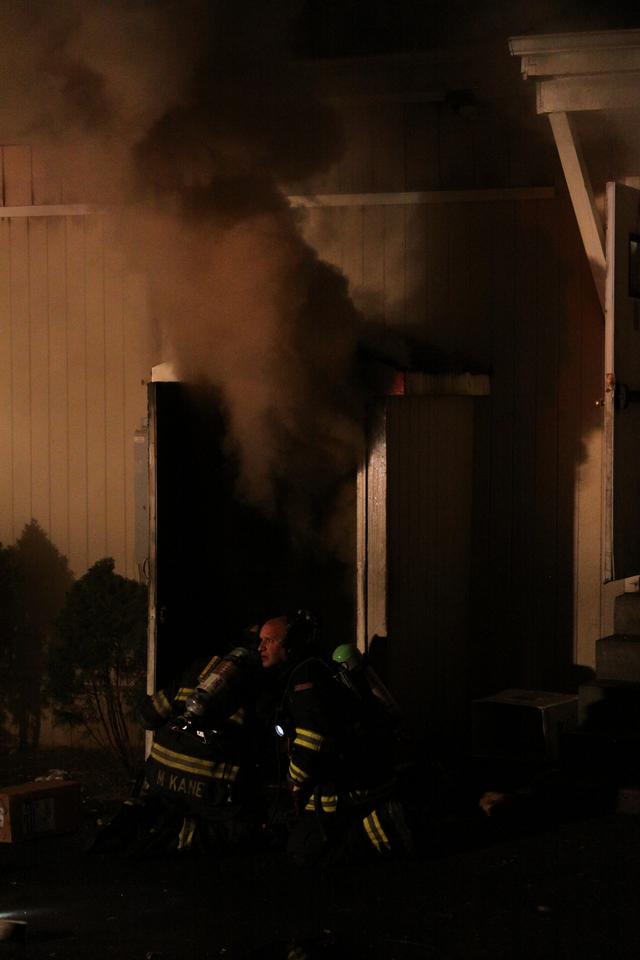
(569, 42)
(52, 210)
(400, 199)
(581, 62)
(619, 91)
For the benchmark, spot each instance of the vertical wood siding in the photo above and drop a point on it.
(504, 287)
(430, 444)
(74, 355)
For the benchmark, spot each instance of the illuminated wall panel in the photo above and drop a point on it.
(74, 358)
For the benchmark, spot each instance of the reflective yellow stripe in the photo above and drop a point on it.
(296, 774)
(228, 772)
(159, 751)
(378, 826)
(308, 739)
(329, 803)
(186, 833)
(314, 740)
(202, 768)
(161, 703)
(209, 667)
(371, 836)
(183, 766)
(376, 834)
(184, 692)
(238, 717)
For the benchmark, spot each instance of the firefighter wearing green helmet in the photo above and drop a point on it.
(340, 752)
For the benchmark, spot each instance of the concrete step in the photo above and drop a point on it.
(626, 614)
(618, 658)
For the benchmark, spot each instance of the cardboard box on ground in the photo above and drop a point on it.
(38, 809)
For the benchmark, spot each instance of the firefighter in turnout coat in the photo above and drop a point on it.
(340, 754)
(196, 793)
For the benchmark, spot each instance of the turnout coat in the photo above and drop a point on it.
(340, 758)
(203, 766)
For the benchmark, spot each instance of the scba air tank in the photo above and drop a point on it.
(357, 674)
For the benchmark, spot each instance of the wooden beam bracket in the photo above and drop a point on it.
(581, 192)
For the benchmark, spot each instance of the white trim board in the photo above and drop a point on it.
(496, 195)
(581, 192)
(52, 210)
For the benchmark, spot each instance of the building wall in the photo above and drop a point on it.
(74, 359)
(491, 283)
(497, 284)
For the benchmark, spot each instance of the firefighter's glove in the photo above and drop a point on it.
(297, 797)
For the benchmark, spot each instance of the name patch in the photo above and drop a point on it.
(186, 785)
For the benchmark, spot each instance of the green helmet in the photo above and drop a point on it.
(347, 654)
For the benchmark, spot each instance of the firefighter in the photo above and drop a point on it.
(197, 791)
(340, 752)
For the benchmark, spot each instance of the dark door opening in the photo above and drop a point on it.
(220, 564)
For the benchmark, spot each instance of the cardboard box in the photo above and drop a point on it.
(38, 809)
(522, 724)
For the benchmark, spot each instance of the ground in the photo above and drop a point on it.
(563, 890)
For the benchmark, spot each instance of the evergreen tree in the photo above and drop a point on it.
(9, 576)
(96, 665)
(36, 578)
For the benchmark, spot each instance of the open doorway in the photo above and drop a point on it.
(219, 565)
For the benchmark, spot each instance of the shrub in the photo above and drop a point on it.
(34, 579)
(96, 665)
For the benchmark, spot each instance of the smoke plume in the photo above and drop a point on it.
(189, 117)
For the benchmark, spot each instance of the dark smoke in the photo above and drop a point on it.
(246, 301)
(193, 120)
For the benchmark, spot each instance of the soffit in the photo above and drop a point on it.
(588, 84)
(575, 72)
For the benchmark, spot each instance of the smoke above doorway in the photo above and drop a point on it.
(192, 123)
